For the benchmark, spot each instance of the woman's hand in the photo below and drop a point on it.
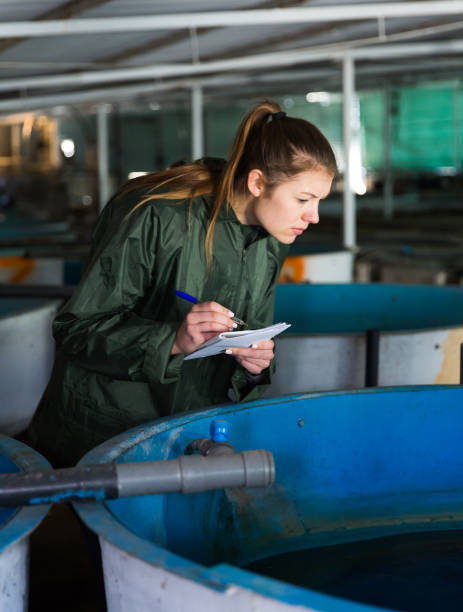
(255, 359)
(203, 322)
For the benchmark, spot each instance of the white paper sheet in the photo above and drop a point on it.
(241, 339)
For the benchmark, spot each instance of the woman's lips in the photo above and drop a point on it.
(297, 231)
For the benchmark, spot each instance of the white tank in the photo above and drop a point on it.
(26, 358)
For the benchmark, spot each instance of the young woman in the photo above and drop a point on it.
(217, 231)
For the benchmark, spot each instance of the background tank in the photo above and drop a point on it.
(33, 252)
(16, 524)
(317, 263)
(26, 358)
(350, 467)
(421, 329)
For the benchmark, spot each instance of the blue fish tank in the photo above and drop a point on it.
(365, 513)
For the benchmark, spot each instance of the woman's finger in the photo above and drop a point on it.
(253, 368)
(250, 353)
(258, 362)
(212, 307)
(209, 316)
(264, 344)
(210, 326)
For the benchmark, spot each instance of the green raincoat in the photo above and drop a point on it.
(113, 368)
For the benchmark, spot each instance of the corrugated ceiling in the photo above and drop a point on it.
(78, 54)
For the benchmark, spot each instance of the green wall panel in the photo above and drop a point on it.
(425, 121)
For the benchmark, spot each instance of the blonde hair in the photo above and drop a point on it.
(279, 146)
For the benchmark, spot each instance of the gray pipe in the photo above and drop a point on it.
(194, 473)
(187, 474)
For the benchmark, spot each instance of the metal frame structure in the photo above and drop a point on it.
(355, 36)
(224, 19)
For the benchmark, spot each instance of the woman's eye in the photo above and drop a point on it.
(302, 201)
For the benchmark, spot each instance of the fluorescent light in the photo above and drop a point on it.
(67, 147)
(321, 97)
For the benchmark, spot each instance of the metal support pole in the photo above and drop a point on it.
(197, 127)
(103, 155)
(387, 168)
(372, 358)
(348, 87)
(457, 116)
(461, 364)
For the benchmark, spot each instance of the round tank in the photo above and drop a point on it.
(26, 358)
(22, 229)
(421, 329)
(317, 263)
(16, 525)
(20, 239)
(351, 467)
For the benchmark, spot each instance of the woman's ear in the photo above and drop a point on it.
(256, 183)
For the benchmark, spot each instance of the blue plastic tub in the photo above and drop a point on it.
(350, 467)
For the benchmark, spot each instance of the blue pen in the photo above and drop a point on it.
(190, 298)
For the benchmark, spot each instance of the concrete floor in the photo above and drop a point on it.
(65, 570)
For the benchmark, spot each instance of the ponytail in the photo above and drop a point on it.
(230, 187)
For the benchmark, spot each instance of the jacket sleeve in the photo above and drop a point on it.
(99, 328)
(245, 390)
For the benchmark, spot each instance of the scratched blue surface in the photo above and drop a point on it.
(97, 494)
(345, 308)
(7, 466)
(349, 466)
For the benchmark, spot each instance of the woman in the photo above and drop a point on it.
(219, 232)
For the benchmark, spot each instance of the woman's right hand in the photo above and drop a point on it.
(204, 321)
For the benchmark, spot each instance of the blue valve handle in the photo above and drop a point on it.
(219, 430)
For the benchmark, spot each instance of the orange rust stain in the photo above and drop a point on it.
(450, 369)
(292, 270)
(20, 267)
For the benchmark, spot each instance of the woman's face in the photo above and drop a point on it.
(292, 206)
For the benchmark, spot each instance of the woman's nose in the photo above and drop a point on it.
(311, 215)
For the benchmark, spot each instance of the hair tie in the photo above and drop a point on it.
(278, 115)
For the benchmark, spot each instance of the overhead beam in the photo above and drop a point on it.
(250, 63)
(105, 94)
(179, 37)
(328, 77)
(351, 43)
(397, 35)
(145, 23)
(63, 11)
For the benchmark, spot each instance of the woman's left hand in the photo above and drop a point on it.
(254, 359)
